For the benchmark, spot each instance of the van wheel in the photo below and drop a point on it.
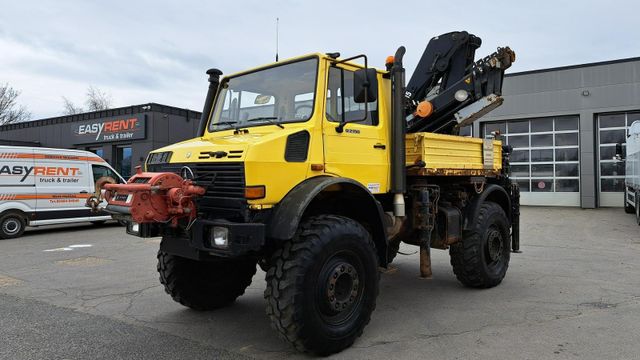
(12, 225)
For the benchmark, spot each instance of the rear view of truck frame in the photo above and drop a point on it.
(316, 169)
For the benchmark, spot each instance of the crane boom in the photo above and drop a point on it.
(457, 89)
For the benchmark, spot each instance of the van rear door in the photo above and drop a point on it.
(63, 187)
(17, 182)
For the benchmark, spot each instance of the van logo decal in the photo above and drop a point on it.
(43, 171)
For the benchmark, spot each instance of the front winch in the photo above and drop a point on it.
(153, 197)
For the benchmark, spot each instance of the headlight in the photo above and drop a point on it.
(219, 236)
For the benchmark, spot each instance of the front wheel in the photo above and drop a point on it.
(12, 225)
(322, 285)
(482, 258)
(204, 285)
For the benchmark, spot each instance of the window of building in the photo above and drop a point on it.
(98, 151)
(612, 129)
(545, 155)
(123, 161)
(340, 100)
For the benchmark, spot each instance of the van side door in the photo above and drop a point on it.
(63, 184)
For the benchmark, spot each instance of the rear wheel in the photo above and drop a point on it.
(12, 225)
(204, 285)
(482, 258)
(322, 285)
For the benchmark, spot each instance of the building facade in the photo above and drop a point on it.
(563, 124)
(122, 136)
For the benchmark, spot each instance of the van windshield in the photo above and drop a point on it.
(280, 94)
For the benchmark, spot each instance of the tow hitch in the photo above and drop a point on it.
(150, 197)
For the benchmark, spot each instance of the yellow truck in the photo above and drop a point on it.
(316, 168)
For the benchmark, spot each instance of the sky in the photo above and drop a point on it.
(158, 51)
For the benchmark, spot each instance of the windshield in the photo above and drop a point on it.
(280, 94)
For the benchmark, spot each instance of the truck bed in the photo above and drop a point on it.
(453, 155)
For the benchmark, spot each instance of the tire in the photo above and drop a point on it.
(629, 209)
(308, 298)
(12, 225)
(204, 285)
(392, 250)
(481, 260)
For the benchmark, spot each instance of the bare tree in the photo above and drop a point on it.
(98, 99)
(10, 111)
(70, 108)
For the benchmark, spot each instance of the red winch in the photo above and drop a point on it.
(153, 197)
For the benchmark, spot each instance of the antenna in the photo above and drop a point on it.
(277, 33)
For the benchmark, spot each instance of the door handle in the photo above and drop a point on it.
(380, 146)
(84, 192)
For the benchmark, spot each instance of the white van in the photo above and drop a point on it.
(43, 186)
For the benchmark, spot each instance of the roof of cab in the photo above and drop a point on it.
(297, 58)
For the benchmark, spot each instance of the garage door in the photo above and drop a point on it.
(545, 160)
(612, 129)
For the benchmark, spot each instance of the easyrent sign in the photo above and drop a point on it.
(95, 131)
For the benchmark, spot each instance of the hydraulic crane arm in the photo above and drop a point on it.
(448, 89)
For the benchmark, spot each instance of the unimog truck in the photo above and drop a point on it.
(316, 168)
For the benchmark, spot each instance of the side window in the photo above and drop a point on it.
(100, 171)
(340, 100)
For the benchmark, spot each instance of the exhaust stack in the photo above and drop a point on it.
(214, 81)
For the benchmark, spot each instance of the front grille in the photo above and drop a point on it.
(224, 182)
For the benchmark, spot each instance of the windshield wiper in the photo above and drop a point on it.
(226, 123)
(268, 119)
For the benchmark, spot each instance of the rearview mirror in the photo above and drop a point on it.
(262, 99)
(365, 86)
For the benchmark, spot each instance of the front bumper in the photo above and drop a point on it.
(241, 238)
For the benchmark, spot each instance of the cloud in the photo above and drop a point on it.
(143, 51)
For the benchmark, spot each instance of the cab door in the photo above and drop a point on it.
(361, 150)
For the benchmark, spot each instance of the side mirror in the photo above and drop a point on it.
(619, 155)
(365, 86)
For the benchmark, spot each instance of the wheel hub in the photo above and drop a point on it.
(342, 286)
(11, 226)
(495, 244)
